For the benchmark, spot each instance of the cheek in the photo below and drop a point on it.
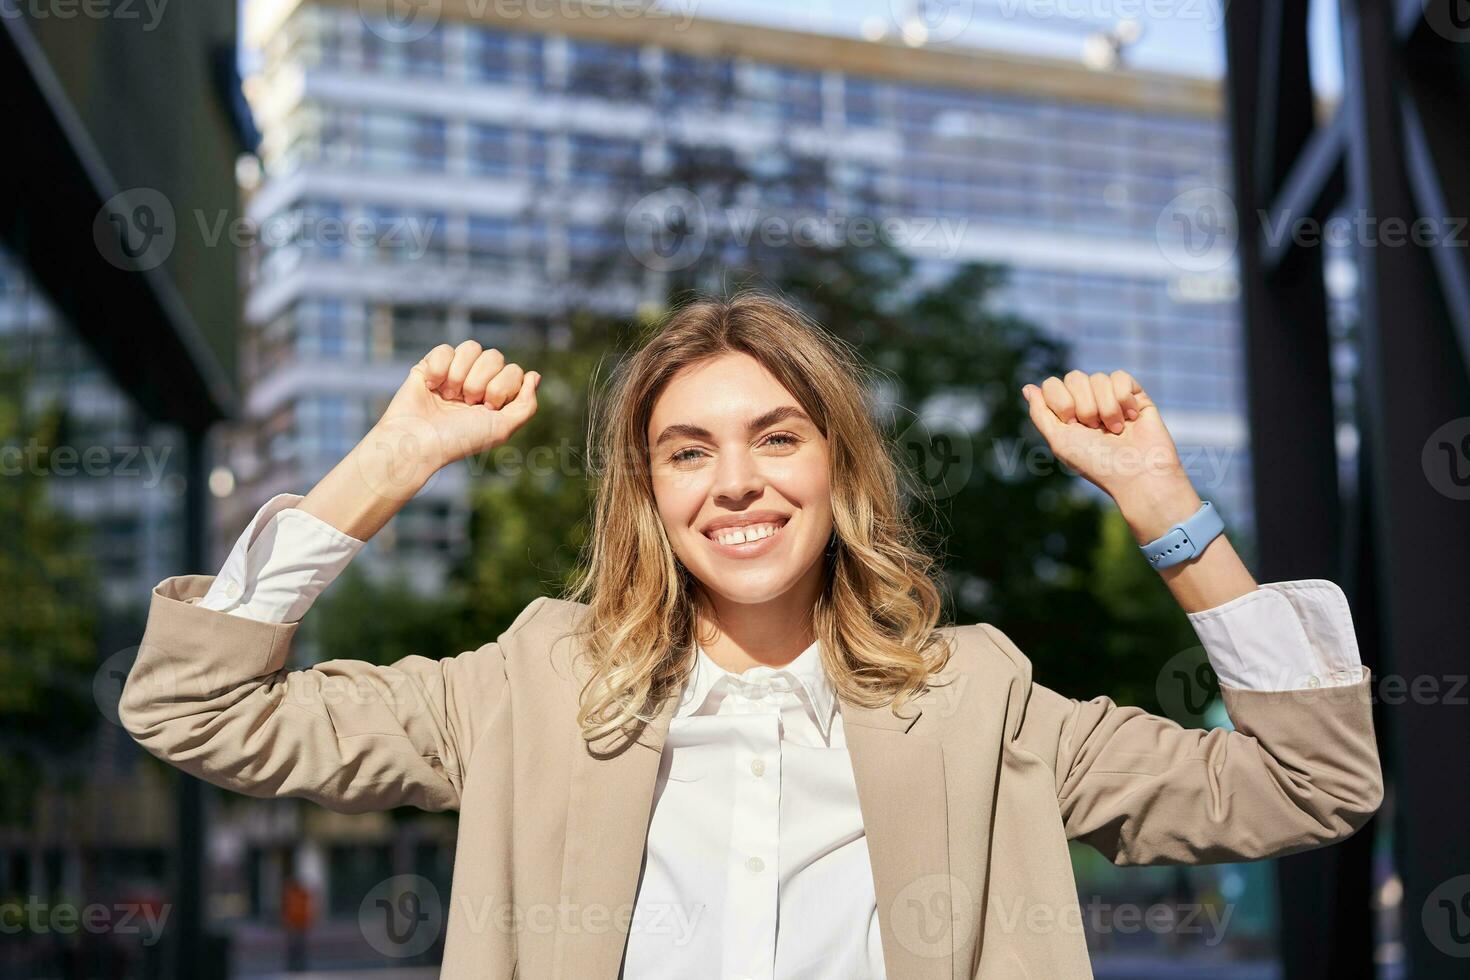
(678, 498)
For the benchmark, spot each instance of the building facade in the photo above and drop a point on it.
(442, 179)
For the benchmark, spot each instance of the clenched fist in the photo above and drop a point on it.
(456, 402)
(1107, 428)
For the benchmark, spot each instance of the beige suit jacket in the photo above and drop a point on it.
(968, 800)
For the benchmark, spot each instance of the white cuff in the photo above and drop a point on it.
(1284, 636)
(281, 562)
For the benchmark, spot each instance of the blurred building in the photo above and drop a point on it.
(436, 179)
(118, 324)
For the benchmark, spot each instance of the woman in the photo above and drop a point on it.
(747, 748)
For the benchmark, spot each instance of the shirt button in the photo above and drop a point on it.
(232, 589)
(758, 766)
(755, 865)
(1314, 681)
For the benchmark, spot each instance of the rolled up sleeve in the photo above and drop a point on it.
(1284, 636)
(281, 562)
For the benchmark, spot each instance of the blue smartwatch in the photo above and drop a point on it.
(1186, 539)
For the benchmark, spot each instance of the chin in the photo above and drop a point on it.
(752, 586)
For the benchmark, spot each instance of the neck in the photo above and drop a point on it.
(739, 635)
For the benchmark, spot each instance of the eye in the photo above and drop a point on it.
(686, 455)
(781, 439)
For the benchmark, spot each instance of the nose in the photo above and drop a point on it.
(737, 480)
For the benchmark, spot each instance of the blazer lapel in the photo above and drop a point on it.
(901, 792)
(609, 809)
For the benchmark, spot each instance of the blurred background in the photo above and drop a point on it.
(227, 231)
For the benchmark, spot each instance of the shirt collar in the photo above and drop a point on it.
(806, 669)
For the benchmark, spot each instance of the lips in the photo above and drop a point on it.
(740, 535)
(747, 536)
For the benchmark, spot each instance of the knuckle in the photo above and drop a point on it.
(470, 345)
(1075, 375)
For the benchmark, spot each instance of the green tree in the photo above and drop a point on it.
(48, 626)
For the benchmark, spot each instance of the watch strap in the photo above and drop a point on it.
(1185, 540)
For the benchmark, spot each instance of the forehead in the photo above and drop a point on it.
(724, 390)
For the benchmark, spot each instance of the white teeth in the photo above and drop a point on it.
(740, 535)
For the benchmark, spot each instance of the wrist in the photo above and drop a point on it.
(397, 457)
(1152, 508)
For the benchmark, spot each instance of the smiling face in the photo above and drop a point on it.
(740, 478)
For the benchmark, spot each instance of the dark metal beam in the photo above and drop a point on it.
(1413, 382)
(1311, 189)
(1325, 930)
(1448, 243)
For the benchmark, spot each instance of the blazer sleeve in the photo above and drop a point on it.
(211, 694)
(1300, 769)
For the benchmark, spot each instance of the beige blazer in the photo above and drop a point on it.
(968, 800)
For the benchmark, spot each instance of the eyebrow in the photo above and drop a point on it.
(756, 424)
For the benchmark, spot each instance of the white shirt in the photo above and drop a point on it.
(757, 863)
(756, 823)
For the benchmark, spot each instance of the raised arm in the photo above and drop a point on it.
(456, 402)
(210, 691)
(1300, 767)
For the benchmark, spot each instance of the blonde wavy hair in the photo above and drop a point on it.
(877, 616)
